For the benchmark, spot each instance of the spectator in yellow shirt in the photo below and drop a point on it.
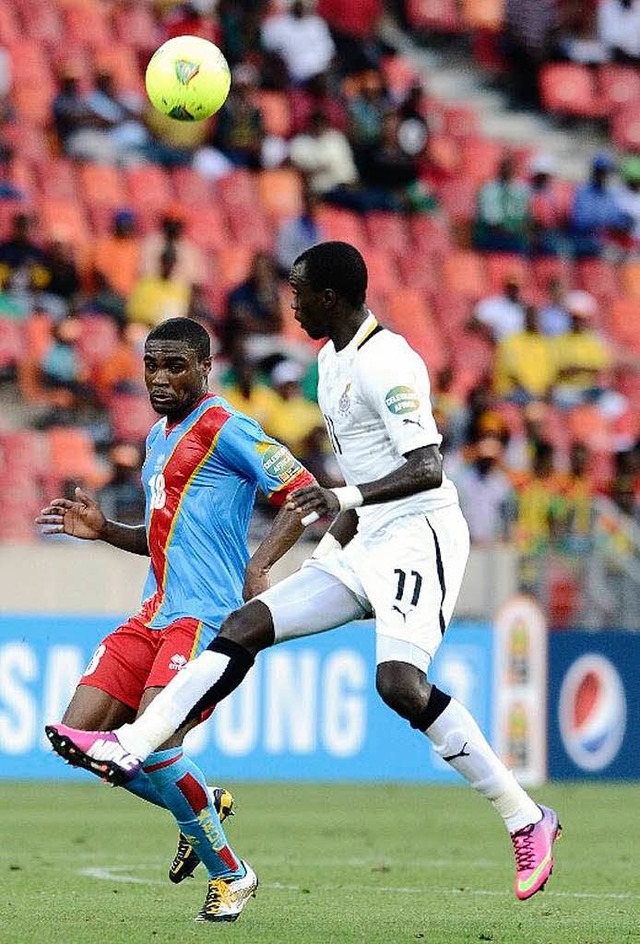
(250, 395)
(294, 416)
(581, 355)
(525, 367)
(158, 297)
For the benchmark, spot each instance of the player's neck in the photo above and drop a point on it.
(346, 326)
(175, 418)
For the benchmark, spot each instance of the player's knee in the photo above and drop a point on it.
(403, 688)
(250, 627)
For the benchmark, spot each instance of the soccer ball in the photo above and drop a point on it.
(188, 78)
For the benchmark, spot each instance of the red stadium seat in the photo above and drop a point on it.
(598, 277)
(276, 113)
(192, 188)
(500, 266)
(9, 24)
(444, 154)
(625, 128)
(98, 339)
(233, 265)
(23, 452)
(383, 273)
(42, 22)
(253, 231)
(480, 158)
(399, 75)
(630, 279)
(64, 218)
(136, 26)
(624, 323)
(409, 314)
(341, 225)
(430, 234)
(11, 343)
(458, 198)
(280, 192)
(102, 185)
(464, 274)
(355, 19)
(546, 268)
(87, 24)
(238, 190)
(460, 121)
(440, 16)
(569, 89)
(149, 187)
(420, 271)
(131, 416)
(387, 231)
(206, 226)
(121, 63)
(71, 454)
(619, 86)
(452, 313)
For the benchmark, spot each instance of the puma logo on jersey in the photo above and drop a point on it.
(398, 610)
(415, 423)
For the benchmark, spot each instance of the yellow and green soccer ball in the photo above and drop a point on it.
(188, 78)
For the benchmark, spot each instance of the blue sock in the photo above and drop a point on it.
(142, 787)
(181, 786)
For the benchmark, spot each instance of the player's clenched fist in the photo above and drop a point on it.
(313, 499)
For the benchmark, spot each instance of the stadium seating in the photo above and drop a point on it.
(570, 89)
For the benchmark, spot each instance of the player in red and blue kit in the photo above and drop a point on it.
(204, 463)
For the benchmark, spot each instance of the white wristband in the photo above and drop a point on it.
(326, 545)
(349, 497)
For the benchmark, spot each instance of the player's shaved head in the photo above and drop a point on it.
(337, 266)
(187, 331)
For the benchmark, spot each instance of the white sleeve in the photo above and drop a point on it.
(395, 383)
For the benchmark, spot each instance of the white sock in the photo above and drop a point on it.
(171, 706)
(457, 739)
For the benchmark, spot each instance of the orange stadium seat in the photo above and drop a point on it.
(483, 14)
(206, 226)
(441, 16)
(444, 153)
(233, 264)
(149, 187)
(98, 339)
(121, 63)
(280, 192)
(619, 86)
(43, 22)
(192, 188)
(33, 104)
(500, 266)
(570, 89)
(71, 454)
(624, 322)
(135, 26)
(65, 218)
(23, 451)
(460, 121)
(88, 24)
(57, 179)
(131, 416)
(383, 274)
(238, 190)
(11, 343)
(254, 231)
(387, 231)
(625, 128)
(464, 274)
(37, 334)
(102, 185)
(341, 224)
(546, 268)
(9, 24)
(276, 113)
(472, 360)
(429, 234)
(409, 314)
(420, 271)
(480, 158)
(451, 313)
(598, 277)
(630, 279)
(458, 198)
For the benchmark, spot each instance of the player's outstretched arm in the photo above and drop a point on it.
(283, 534)
(421, 471)
(84, 519)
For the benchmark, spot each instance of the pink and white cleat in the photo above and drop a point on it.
(533, 847)
(99, 752)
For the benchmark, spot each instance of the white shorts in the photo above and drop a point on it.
(408, 577)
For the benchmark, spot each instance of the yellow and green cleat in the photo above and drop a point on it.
(186, 860)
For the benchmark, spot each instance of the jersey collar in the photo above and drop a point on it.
(367, 328)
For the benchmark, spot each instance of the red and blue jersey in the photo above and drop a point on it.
(200, 478)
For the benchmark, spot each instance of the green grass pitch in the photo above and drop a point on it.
(81, 863)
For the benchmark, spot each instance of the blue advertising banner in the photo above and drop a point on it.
(307, 711)
(594, 705)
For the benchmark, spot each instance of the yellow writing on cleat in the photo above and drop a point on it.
(226, 897)
(533, 848)
(186, 860)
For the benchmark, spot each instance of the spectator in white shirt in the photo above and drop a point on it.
(619, 28)
(627, 194)
(502, 314)
(324, 156)
(302, 40)
(485, 492)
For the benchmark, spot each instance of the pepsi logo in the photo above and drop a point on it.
(592, 712)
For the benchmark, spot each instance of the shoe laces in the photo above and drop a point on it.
(218, 896)
(523, 847)
(183, 850)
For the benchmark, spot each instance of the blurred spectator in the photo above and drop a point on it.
(122, 498)
(253, 312)
(553, 317)
(366, 112)
(502, 216)
(578, 494)
(316, 96)
(174, 143)
(297, 234)
(619, 29)
(120, 115)
(449, 409)
(61, 368)
(320, 459)
(414, 130)
(116, 257)
(485, 492)
(240, 126)
(121, 369)
(301, 39)
(502, 314)
(8, 189)
(294, 417)
(538, 506)
(581, 355)
(189, 266)
(156, 297)
(185, 19)
(24, 265)
(529, 27)
(72, 118)
(391, 175)
(545, 208)
(353, 27)
(595, 214)
(64, 281)
(525, 366)
(247, 392)
(323, 154)
(240, 25)
(627, 194)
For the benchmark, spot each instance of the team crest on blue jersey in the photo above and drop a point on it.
(344, 403)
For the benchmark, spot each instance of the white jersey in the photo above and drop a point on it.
(375, 398)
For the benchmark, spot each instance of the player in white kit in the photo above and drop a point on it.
(397, 549)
